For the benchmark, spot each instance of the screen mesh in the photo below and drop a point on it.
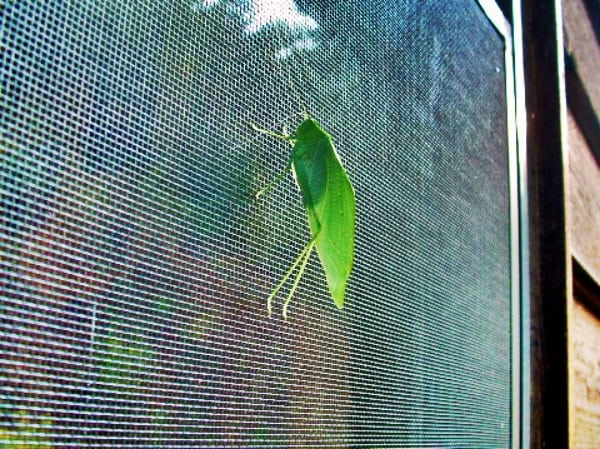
(136, 263)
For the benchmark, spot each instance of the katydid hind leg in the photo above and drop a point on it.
(286, 276)
(288, 298)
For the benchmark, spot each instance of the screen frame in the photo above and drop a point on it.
(518, 221)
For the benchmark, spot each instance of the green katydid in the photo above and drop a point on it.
(330, 205)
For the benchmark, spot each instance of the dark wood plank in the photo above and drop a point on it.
(547, 232)
(593, 12)
(581, 107)
(584, 201)
(583, 49)
(586, 290)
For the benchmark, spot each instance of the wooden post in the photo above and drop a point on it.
(548, 244)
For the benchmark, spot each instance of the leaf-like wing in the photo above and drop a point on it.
(330, 204)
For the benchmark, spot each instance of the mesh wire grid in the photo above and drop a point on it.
(135, 262)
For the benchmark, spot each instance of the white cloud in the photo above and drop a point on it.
(266, 13)
(306, 43)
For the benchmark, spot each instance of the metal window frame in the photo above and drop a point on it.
(518, 222)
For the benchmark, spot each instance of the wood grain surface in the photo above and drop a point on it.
(585, 371)
(584, 201)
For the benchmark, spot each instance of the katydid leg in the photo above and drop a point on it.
(275, 181)
(288, 273)
(270, 133)
(287, 300)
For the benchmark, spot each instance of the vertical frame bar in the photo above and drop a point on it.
(518, 227)
(521, 135)
(543, 170)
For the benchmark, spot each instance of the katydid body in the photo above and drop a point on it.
(329, 200)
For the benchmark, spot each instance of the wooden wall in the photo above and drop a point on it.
(582, 51)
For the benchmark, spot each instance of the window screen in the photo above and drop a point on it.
(136, 261)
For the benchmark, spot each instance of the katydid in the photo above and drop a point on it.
(328, 198)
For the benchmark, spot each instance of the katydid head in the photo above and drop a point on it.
(309, 129)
